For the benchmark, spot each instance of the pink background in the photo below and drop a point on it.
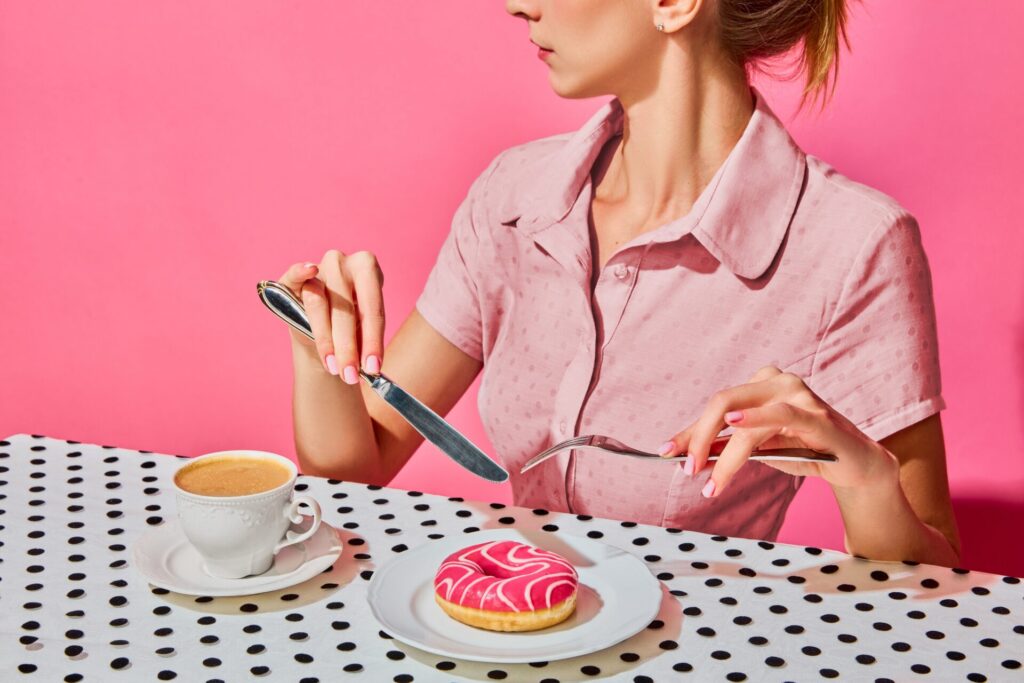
(158, 158)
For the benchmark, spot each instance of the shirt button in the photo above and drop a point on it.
(621, 272)
(562, 427)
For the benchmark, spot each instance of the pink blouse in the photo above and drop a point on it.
(781, 261)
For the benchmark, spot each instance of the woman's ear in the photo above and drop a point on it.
(672, 15)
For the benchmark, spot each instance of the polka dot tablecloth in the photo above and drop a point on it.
(72, 608)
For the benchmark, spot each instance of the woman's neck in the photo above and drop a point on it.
(674, 139)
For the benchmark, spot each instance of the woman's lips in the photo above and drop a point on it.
(543, 53)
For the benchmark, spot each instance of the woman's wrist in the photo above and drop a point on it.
(880, 474)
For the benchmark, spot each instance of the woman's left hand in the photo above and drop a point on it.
(777, 410)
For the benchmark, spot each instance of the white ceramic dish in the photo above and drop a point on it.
(618, 597)
(167, 560)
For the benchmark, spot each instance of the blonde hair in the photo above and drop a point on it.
(754, 31)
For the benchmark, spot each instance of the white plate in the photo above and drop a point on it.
(165, 557)
(618, 597)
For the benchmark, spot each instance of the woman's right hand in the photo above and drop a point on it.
(343, 300)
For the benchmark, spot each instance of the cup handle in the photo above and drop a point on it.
(292, 513)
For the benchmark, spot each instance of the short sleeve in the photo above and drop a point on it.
(450, 300)
(878, 360)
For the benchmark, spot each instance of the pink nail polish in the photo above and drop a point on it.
(666, 448)
(332, 364)
(373, 365)
(734, 416)
(709, 489)
(350, 374)
(688, 466)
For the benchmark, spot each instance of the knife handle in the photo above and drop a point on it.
(288, 308)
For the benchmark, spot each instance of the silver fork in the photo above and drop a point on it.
(600, 442)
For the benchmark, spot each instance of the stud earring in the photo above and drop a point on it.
(660, 27)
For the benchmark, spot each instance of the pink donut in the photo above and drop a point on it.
(506, 576)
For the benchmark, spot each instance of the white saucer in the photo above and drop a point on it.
(167, 560)
(618, 597)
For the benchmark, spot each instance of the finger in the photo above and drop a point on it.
(767, 372)
(297, 274)
(314, 300)
(712, 420)
(364, 273)
(733, 457)
(342, 312)
(815, 429)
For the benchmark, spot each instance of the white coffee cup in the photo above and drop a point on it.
(238, 536)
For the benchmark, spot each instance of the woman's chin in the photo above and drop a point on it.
(571, 90)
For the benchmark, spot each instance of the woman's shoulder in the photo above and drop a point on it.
(511, 176)
(850, 201)
(849, 215)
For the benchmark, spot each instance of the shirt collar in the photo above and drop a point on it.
(741, 217)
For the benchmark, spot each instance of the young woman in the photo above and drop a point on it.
(676, 266)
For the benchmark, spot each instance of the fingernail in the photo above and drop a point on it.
(350, 374)
(373, 365)
(332, 364)
(734, 416)
(666, 448)
(688, 466)
(709, 489)
(309, 265)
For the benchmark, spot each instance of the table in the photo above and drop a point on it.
(72, 608)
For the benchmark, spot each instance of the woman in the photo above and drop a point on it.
(676, 266)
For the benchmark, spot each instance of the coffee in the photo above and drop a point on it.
(232, 476)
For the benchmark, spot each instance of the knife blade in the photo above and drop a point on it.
(429, 424)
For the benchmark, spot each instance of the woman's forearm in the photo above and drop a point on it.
(881, 525)
(334, 434)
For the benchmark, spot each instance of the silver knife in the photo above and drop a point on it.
(432, 426)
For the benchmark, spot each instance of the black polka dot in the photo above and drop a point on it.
(120, 663)
(865, 659)
(629, 657)
(920, 668)
(668, 645)
(720, 654)
(774, 661)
